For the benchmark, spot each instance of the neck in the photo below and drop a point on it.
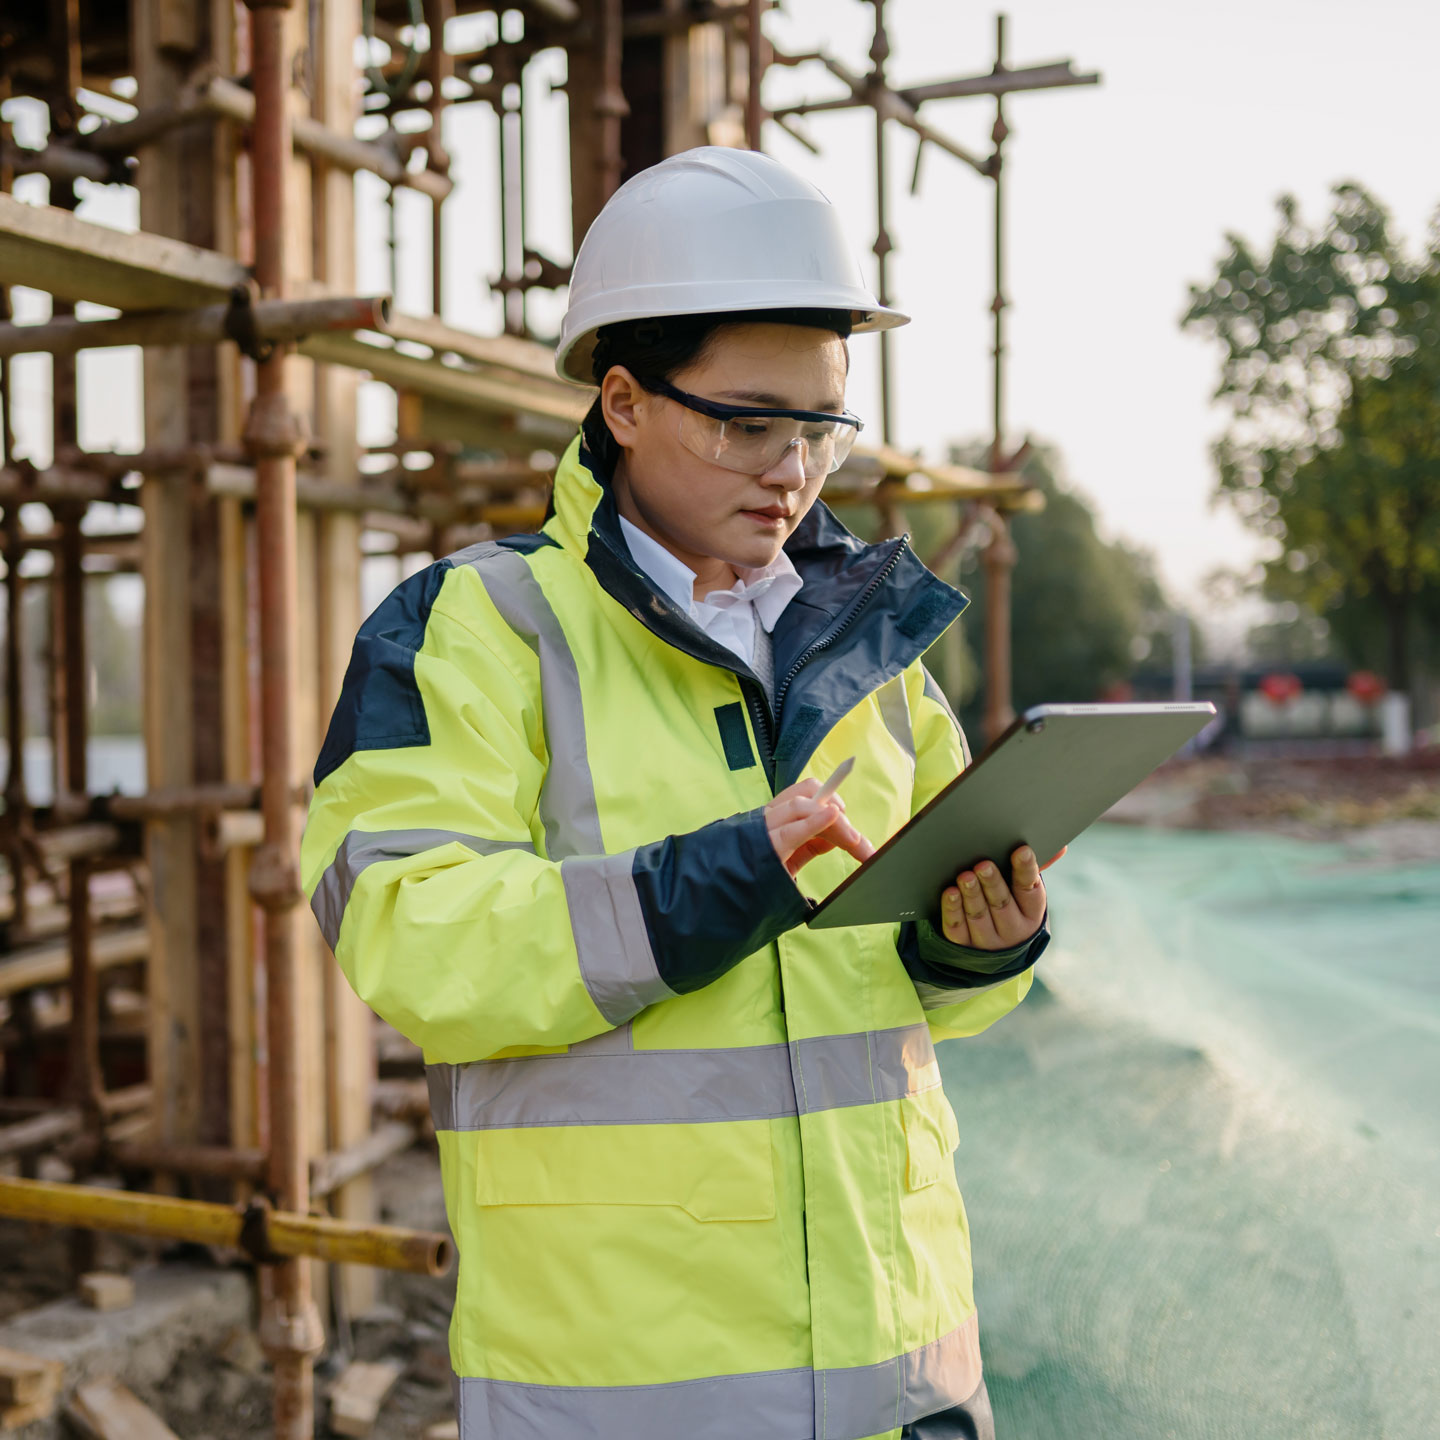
(711, 573)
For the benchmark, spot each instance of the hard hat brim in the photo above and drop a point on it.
(572, 362)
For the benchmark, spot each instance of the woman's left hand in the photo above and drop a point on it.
(980, 910)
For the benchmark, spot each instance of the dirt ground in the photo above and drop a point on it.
(224, 1393)
(1388, 812)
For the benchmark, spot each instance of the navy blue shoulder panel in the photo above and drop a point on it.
(527, 544)
(380, 706)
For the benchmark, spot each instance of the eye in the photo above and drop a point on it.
(751, 429)
(818, 434)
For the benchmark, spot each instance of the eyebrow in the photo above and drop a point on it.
(770, 401)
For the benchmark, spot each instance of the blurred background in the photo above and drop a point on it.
(1168, 411)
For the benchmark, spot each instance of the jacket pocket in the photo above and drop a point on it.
(712, 1172)
(931, 1137)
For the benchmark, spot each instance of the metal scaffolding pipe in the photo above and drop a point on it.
(217, 95)
(265, 1234)
(290, 1328)
(269, 320)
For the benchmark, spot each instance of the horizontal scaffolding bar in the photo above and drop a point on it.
(272, 320)
(215, 95)
(486, 390)
(1000, 82)
(263, 1233)
(329, 1172)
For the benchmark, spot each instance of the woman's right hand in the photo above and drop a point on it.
(800, 829)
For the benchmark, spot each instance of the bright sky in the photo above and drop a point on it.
(1118, 196)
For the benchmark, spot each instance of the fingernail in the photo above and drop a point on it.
(986, 870)
(968, 882)
(1026, 855)
(951, 897)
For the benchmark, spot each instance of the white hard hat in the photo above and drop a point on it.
(711, 229)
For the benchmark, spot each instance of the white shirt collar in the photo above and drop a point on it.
(770, 589)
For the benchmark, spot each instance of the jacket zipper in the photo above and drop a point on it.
(843, 624)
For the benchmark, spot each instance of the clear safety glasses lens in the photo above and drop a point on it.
(755, 445)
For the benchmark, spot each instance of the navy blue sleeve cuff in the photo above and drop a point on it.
(712, 897)
(930, 959)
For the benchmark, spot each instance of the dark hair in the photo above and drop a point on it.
(660, 349)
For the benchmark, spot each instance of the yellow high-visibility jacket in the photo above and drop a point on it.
(696, 1156)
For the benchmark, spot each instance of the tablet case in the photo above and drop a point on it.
(1052, 774)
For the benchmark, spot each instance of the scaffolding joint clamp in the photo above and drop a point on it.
(255, 1234)
(241, 328)
(273, 431)
(275, 878)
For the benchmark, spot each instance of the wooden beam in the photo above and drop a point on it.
(49, 249)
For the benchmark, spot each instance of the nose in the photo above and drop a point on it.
(788, 472)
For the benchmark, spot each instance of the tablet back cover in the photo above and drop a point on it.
(1050, 776)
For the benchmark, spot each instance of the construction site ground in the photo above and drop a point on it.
(1202, 1161)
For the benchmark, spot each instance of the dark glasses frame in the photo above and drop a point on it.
(716, 410)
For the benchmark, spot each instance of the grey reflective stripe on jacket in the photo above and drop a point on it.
(568, 811)
(363, 848)
(895, 711)
(602, 1082)
(611, 941)
(842, 1404)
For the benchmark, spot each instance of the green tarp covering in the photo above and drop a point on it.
(1203, 1163)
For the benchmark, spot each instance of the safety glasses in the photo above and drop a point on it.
(753, 440)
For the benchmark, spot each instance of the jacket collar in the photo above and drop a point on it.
(870, 610)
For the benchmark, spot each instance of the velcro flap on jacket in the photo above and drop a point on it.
(720, 1171)
(931, 1137)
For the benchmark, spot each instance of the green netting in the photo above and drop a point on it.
(1203, 1164)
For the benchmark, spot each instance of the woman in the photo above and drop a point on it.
(696, 1156)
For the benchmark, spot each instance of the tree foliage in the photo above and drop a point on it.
(1330, 371)
(1085, 612)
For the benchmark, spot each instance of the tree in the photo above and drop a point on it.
(1331, 374)
(1084, 611)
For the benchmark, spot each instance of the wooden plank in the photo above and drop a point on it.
(106, 1410)
(49, 249)
(26, 1379)
(16, 1417)
(359, 1393)
(101, 1290)
(49, 963)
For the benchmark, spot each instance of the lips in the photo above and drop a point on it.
(772, 512)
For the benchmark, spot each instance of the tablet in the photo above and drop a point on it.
(1052, 774)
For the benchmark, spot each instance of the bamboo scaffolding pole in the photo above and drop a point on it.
(263, 1233)
(266, 320)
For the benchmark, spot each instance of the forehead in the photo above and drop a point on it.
(787, 365)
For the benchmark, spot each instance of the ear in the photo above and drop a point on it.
(623, 401)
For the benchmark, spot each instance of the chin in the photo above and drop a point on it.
(754, 552)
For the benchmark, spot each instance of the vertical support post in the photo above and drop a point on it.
(349, 1027)
(999, 563)
(755, 75)
(438, 69)
(186, 181)
(596, 161)
(16, 803)
(15, 800)
(879, 53)
(290, 1329)
(1000, 554)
